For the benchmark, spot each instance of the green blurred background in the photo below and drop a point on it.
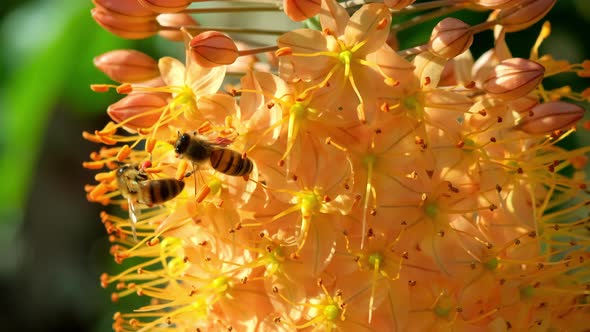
(52, 244)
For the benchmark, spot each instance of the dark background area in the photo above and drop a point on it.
(52, 244)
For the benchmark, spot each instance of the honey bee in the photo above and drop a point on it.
(224, 160)
(135, 185)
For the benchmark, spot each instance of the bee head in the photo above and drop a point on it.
(182, 143)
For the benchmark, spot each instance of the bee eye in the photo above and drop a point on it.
(182, 143)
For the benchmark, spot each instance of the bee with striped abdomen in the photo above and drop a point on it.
(135, 185)
(222, 159)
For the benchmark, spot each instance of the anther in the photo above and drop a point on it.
(99, 87)
(152, 242)
(470, 85)
(125, 88)
(284, 51)
(383, 23)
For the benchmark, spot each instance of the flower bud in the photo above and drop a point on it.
(524, 104)
(124, 7)
(450, 37)
(398, 4)
(127, 66)
(513, 78)
(135, 109)
(549, 117)
(213, 48)
(299, 10)
(497, 4)
(165, 6)
(527, 13)
(175, 20)
(125, 26)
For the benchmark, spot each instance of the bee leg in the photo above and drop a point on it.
(133, 212)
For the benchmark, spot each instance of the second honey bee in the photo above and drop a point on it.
(135, 185)
(224, 160)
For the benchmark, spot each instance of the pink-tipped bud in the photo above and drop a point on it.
(527, 13)
(175, 20)
(497, 4)
(514, 78)
(552, 116)
(398, 4)
(213, 48)
(165, 6)
(125, 7)
(127, 66)
(140, 110)
(450, 37)
(129, 27)
(299, 10)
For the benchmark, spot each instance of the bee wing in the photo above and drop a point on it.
(133, 214)
(220, 142)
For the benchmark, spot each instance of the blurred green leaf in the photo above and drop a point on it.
(53, 69)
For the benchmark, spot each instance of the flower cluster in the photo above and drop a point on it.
(342, 184)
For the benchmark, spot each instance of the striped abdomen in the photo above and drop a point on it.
(159, 191)
(230, 162)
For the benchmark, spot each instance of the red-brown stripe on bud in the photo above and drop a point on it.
(129, 27)
(450, 37)
(165, 6)
(213, 48)
(139, 110)
(299, 10)
(549, 117)
(525, 14)
(127, 66)
(514, 78)
(175, 20)
(398, 4)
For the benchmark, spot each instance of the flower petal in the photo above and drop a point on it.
(172, 71)
(304, 41)
(333, 17)
(369, 25)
